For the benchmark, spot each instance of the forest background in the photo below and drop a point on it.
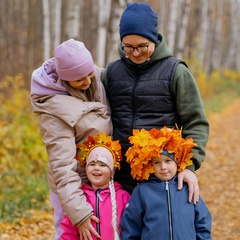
(203, 33)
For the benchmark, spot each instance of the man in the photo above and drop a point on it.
(148, 88)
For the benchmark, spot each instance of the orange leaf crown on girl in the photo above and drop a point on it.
(149, 144)
(101, 140)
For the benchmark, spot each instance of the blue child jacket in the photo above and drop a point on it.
(158, 211)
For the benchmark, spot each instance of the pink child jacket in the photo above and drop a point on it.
(101, 202)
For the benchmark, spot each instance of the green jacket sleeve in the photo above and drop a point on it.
(191, 112)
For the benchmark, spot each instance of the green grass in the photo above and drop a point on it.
(222, 97)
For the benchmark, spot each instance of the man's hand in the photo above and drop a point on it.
(86, 228)
(191, 179)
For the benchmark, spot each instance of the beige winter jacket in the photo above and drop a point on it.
(65, 121)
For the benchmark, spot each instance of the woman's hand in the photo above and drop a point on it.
(191, 179)
(86, 228)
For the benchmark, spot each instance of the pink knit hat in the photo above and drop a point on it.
(101, 154)
(73, 60)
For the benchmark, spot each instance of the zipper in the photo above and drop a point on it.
(169, 211)
(98, 198)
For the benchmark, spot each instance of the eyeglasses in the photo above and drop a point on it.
(140, 49)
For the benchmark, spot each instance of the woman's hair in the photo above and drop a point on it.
(89, 95)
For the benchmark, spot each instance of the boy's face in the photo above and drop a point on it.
(138, 41)
(98, 174)
(165, 168)
(82, 84)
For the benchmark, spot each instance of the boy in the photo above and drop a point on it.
(157, 210)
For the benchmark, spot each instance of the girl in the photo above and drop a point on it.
(67, 94)
(101, 156)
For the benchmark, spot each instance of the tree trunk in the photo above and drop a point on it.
(57, 22)
(161, 16)
(46, 30)
(203, 33)
(103, 19)
(113, 37)
(183, 29)
(216, 57)
(232, 59)
(172, 25)
(72, 29)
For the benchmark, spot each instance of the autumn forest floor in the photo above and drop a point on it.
(219, 181)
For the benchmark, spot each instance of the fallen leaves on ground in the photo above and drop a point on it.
(219, 181)
(219, 177)
(39, 227)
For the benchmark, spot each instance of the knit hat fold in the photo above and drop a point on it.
(73, 60)
(101, 154)
(139, 19)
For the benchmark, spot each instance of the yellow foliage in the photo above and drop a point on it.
(229, 74)
(23, 158)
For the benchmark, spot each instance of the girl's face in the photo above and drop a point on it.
(165, 168)
(82, 84)
(138, 48)
(98, 174)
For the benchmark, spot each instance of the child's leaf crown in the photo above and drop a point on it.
(149, 144)
(102, 140)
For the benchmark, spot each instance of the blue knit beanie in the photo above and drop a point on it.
(171, 155)
(139, 19)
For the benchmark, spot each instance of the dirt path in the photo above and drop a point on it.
(219, 180)
(219, 176)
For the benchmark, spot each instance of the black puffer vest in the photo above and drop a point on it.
(140, 97)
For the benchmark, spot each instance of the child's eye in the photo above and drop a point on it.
(91, 74)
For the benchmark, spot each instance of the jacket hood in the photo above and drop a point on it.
(161, 50)
(45, 80)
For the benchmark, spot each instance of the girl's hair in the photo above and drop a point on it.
(114, 210)
(89, 95)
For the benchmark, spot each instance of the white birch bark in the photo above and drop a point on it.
(57, 22)
(216, 57)
(172, 24)
(237, 37)
(46, 30)
(113, 37)
(183, 29)
(72, 29)
(210, 39)
(233, 56)
(103, 19)
(161, 16)
(203, 33)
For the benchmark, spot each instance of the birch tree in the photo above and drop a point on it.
(172, 24)
(183, 28)
(113, 38)
(46, 30)
(216, 56)
(72, 29)
(161, 15)
(57, 22)
(210, 39)
(203, 33)
(103, 19)
(232, 58)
